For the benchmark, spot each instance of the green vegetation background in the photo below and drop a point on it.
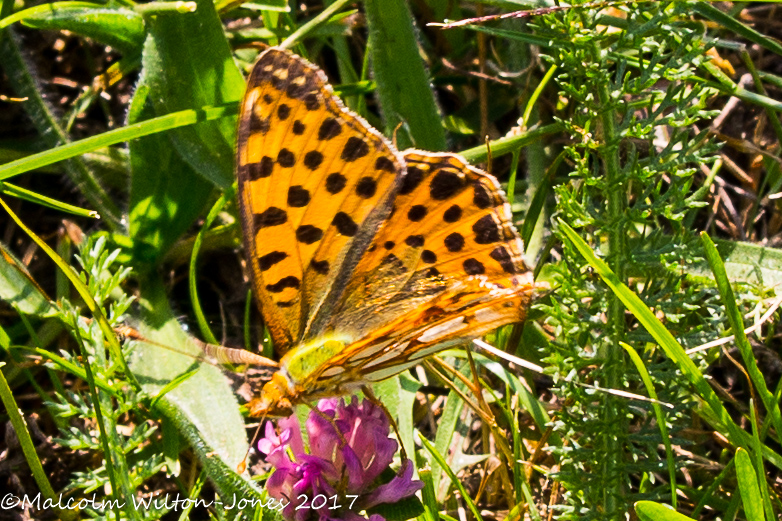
(638, 143)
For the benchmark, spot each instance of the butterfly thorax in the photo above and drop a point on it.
(297, 367)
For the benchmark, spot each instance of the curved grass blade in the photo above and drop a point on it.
(27, 195)
(81, 288)
(651, 511)
(737, 326)
(668, 343)
(151, 126)
(658, 413)
(456, 483)
(28, 447)
(748, 485)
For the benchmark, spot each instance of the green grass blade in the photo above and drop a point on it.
(668, 343)
(651, 511)
(748, 485)
(27, 195)
(737, 326)
(507, 145)
(456, 483)
(323, 17)
(27, 445)
(757, 455)
(403, 84)
(152, 126)
(710, 12)
(203, 324)
(658, 413)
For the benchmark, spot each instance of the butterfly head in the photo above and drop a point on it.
(275, 399)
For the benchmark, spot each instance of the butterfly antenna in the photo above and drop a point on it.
(242, 466)
(488, 155)
(397, 130)
(220, 354)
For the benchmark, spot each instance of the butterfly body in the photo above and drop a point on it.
(364, 260)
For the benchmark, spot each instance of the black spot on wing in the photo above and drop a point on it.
(417, 213)
(272, 216)
(385, 164)
(270, 259)
(452, 214)
(261, 169)
(503, 256)
(445, 184)
(413, 178)
(308, 234)
(330, 128)
(321, 267)
(285, 158)
(454, 242)
(415, 241)
(355, 148)
(486, 230)
(298, 196)
(284, 283)
(313, 159)
(481, 196)
(366, 187)
(335, 183)
(345, 224)
(473, 267)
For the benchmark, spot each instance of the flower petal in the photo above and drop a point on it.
(400, 487)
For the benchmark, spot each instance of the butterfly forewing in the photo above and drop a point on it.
(315, 181)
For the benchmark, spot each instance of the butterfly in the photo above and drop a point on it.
(364, 260)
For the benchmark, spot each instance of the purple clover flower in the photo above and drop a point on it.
(338, 466)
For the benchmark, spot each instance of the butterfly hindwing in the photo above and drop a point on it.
(444, 268)
(450, 223)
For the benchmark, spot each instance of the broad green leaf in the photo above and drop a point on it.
(398, 395)
(187, 64)
(205, 401)
(166, 194)
(122, 29)
(745, 262)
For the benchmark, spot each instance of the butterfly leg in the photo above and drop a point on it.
(329, 419)
(370, 395)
